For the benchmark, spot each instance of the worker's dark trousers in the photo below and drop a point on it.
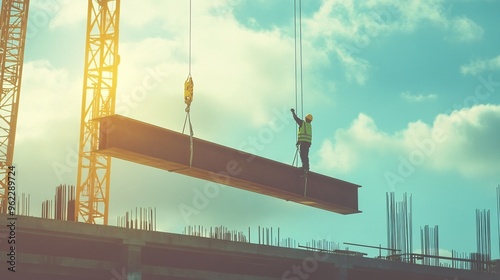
(304, 154)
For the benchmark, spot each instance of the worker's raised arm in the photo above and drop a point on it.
(297, 120)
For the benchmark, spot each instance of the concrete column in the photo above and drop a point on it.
(495, 268)
(343, 264)
(341, 274)
(131, 261)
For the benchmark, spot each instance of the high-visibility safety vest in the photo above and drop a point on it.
(305, 132)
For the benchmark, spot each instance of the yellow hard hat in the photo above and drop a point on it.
(309, 117)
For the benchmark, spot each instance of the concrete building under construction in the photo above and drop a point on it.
(54, 249)
(73, 238)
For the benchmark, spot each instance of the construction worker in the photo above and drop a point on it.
(304, 138)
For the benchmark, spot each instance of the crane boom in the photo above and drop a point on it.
(99, 95)
(14, 22)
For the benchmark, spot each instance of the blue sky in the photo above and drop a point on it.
(405, 98)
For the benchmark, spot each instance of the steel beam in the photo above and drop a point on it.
(143, 143)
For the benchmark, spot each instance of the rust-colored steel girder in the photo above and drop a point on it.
(143, 143)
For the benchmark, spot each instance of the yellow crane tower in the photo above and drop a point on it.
(99, 95)
(14, 22)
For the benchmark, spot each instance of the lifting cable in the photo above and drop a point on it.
(188, 95)
(298, 68)
(299, 77)
(300, 62)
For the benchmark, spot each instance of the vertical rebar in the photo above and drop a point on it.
(498, 217)
(483, 238)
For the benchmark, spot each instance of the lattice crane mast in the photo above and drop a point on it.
(14, 22)
(99, 95)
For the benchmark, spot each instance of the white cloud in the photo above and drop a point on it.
(48, 94)
(347, 27)
(415, 98)
(415, 12)
(464, 141)
(60, 13)
(472, 141)
(479, 66)
(464, 29)
(350, 147)
(345, 30)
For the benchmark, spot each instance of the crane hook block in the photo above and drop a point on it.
(188, 91)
